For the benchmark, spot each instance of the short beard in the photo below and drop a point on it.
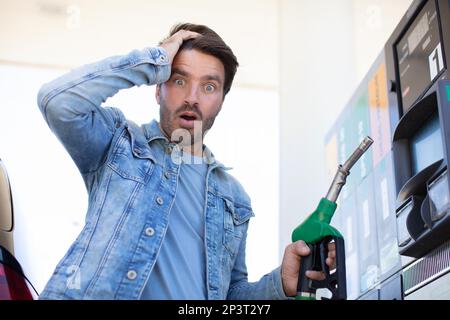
(179, 135)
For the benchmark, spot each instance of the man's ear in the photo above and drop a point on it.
(158, 93)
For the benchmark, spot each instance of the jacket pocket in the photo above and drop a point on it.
(130, 162)
(235, 225)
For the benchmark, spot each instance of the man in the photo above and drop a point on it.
(165, 220)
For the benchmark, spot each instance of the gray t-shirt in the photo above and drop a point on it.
(179, 272)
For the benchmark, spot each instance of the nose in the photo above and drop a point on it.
(192, 95)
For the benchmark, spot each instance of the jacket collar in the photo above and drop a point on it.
(153, 132)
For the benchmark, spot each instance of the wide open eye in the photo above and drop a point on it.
(179, 82)
(210, 88)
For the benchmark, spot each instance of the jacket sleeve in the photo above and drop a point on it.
(71, 104)
(269, 287)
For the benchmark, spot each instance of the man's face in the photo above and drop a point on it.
(192, 95)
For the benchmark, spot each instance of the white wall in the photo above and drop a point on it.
(48, 194)
(317, 73)
(72, 32)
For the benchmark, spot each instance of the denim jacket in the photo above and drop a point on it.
(131, 179)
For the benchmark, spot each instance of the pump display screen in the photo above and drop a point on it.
(426, 145)
(420, 55)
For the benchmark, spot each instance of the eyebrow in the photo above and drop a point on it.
(213, 77)
(180, 72)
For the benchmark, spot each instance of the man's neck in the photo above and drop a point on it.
(195, 149)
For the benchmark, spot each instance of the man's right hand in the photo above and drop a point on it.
(173, 43)
(291, 265)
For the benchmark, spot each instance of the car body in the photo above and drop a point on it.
(14, 285)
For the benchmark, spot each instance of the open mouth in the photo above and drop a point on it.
(189, 116)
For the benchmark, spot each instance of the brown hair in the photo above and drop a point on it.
(210, 43)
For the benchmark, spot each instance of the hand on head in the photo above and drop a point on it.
(174, 42)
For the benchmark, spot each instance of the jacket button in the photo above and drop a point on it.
(150, 231)
(131, 274)
(160, 201)
(166, 175)
(169, 149)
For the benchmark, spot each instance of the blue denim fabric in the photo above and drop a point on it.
(131, 178)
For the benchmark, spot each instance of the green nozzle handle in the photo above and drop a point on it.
(317, 226)
(313, 231)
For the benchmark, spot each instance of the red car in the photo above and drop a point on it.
(14, 285)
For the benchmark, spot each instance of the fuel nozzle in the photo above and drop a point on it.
(318, 234)
(344, 170)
